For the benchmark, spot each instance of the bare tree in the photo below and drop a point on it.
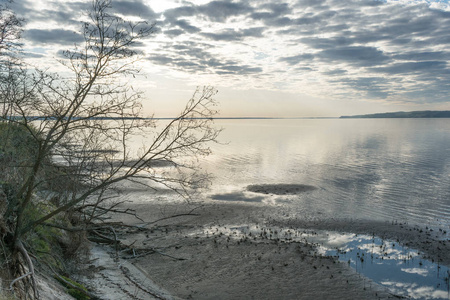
(81, 128)
(10, 32)
(10, 29)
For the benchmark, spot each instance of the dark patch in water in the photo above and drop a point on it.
(280, 189)
(236, 197)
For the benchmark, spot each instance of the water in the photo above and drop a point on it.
(376, 169)
(403, 271)
(399, 268)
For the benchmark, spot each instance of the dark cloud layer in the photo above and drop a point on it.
(234, 35)
(53, 36)
(296, 59)
(67, 14)
(354, 55)
(414, 67)
(215, 11)
(133, 8)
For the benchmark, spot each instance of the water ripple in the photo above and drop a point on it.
(366, 168)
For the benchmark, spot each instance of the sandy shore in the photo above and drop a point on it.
(205, 252)
(117, 279)
(198, 257)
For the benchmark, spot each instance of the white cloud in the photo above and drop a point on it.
(419, 271)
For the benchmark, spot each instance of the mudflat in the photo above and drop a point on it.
(199, 255)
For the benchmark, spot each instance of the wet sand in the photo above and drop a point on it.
(198, 261)
(198, 255)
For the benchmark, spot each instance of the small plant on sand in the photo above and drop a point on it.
(75, 289)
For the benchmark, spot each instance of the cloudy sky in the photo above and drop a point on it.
(282, 58)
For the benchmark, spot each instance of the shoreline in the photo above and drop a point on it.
(193, 262)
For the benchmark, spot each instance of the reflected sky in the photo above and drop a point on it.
(378, 169)
(401, 270)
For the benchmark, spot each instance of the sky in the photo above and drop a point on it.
(272, 58)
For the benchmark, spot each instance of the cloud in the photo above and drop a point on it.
(274, 14)
(311, 3)
(334, 72)
(220, 11)
(173, 32)
(186, 26)
(61, 13)
(296, 59)
(215, 11)
(372, 87)
(278, 8)
(195, 57)
(354, 55)
(360, 38)
(32, 54)
(133, 8)
(234, 35)
(69, 13)
(173, 14)
(53, 36)
(271, 19)
(413, 67)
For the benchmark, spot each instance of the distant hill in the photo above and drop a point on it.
(404, 114)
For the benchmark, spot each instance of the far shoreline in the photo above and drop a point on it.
(420, 114)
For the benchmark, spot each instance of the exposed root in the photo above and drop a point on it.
(26, 272)
(11, 285)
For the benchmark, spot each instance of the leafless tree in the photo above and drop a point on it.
(81, 127)
(10, 29)
(10, 32)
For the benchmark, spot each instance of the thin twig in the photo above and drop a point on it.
(173, 216)
(116, 242)
(151, 251)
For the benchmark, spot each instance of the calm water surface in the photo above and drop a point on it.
(380, 169)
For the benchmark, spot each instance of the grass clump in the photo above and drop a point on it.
(74, 288)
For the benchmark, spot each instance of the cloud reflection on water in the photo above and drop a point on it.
(400, 269)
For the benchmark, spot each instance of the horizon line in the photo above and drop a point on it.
(248, 118)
